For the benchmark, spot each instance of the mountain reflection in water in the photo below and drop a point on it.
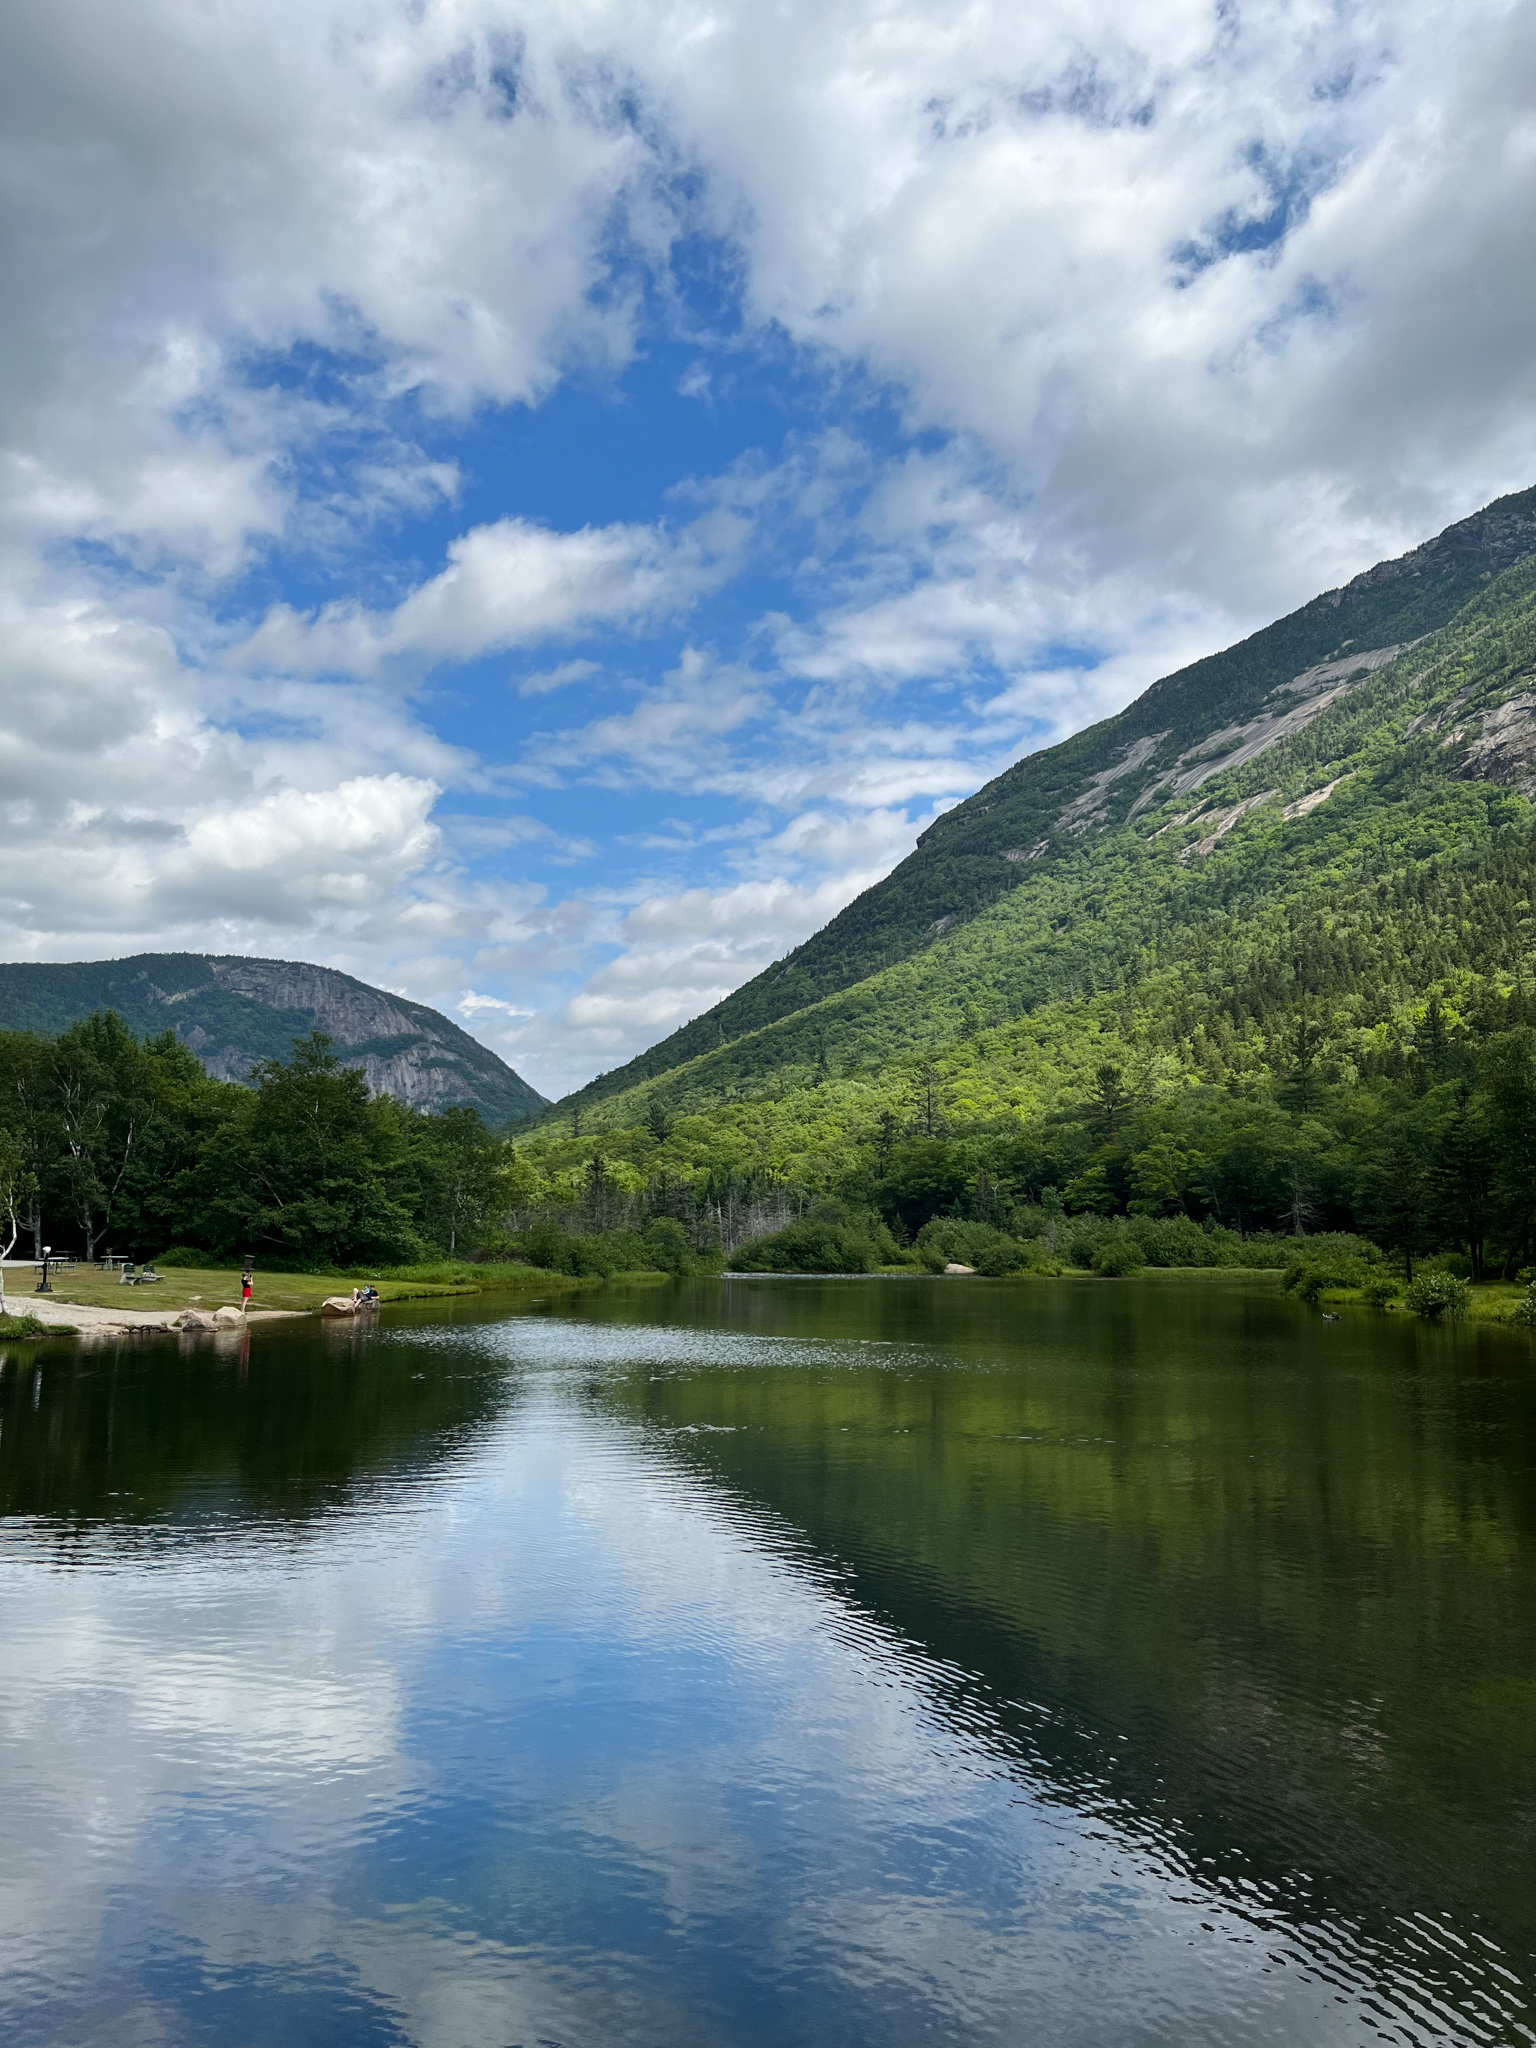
(774, 1662)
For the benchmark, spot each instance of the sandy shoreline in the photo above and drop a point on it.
(87, 1318)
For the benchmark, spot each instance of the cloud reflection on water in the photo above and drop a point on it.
(565, 1741)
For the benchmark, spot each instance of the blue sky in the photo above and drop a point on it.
(539, 507)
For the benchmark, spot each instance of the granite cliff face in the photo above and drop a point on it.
(233, 1012)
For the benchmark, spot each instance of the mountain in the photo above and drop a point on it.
(1330, 813)
(233, 1011)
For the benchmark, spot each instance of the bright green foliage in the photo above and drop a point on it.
(1438, 1293)
(311, 1167)
(464, 1179)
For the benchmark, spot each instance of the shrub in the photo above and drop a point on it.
(1036, 1256)
(1379, 1290)
(667, 1247)
(808, 1247)
(1525, 1309)
(25, 1326)
(948, 1239)
(1437, 1292)
(1330, 1260)
(1180, 1241)
(663, 1246)
(1118, 1257)
(1308, 1275)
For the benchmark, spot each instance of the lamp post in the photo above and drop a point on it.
(42, 1285)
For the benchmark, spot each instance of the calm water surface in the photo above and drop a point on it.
(773, 1663)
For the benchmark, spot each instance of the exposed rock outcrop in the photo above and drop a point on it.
(234, 1011)
(1504, 748)
(1289, 709)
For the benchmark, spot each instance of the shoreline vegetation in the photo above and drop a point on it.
(1485, 1302)
(327, 1186)
(287, 1294)
(211, 1287)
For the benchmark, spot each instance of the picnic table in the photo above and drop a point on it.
(112, 1260)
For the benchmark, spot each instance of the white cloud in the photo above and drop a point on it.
(542, 681)
(510, 584)
(673, 738)
(682, 953)
(471, 1004)
(1198, 311)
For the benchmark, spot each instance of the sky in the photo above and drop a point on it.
(539, 507)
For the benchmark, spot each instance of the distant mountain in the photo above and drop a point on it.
(1348, 780)
(233, 1011)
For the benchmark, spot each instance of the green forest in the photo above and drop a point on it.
(114, 1143)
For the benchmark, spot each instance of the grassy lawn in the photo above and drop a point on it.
(209, 1288)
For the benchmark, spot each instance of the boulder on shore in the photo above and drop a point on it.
(954, 1267)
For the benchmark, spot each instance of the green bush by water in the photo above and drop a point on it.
(1437, 1292)
(1118, 1258)
(950, 1240)
(1318, 1264)
(815, 1246)
(23, 1327)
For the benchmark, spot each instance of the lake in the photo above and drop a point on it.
(773, 1662)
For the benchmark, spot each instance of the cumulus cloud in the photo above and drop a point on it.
(673, 738)
(511, 584)
(1181, 313)
(1158, 260)
(682, 953)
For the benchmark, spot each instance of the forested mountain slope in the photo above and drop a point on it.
(1272, 971)
(233, 1011)
(1012, 861)
(1355, 863)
